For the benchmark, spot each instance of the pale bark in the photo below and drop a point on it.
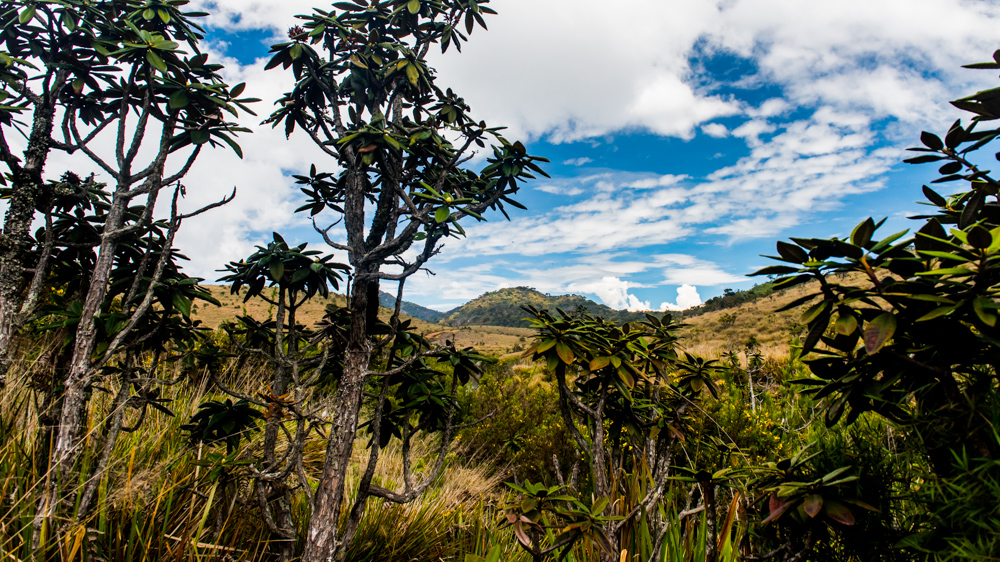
(16, 242)
(323, 538)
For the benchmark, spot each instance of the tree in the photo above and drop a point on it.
(630, 408)
(366, 96)
(114, 75)
(918, 341)
(289, 348)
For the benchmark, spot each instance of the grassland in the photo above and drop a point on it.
(710, 334)
(496, 340)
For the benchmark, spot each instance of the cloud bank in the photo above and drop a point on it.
(821, 96)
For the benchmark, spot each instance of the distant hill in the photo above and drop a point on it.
(503, 308)
(410, 308)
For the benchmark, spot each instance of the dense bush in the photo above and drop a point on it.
(524, 429)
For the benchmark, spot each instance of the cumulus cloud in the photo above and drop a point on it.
(613, 292)
(842, 69)
(265, 199)
(687, 297)
(717, 130)
(557, 189)
(793, 169)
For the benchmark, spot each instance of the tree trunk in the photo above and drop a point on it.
(16, 242)
(322, 540)
(73, 417)
(277, 491)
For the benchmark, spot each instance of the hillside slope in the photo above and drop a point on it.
(411, 309)
(493, 323)
(310, 313)
(713, 333)
(488, 339)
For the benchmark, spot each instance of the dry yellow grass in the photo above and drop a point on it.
(709, 335)
(487, 339)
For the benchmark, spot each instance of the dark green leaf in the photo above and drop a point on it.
(277, 270)
(956, 135)
(950, 168)
(979, 305)
(931, 141)
(862, 233)
(182, 304)
(923, 159)
(178, 100)
(971, 211)
(156, 61)
(980, 238)
(792, 253)
(933, 197)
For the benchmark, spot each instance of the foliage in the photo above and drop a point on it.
(633, 411)
(293, 269)
(102, 271)
(524, 429)
(967, 505)
(543, 510)
(916, 344)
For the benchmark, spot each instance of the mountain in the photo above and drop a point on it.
(503, 308)
(410, 308)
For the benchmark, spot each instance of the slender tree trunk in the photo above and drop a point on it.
(73, 418)
(322, 540)
(364, 488)
(277, 490)
(111, 432)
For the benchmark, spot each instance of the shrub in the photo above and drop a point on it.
(525, 429)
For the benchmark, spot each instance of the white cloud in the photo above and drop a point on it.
(662, 181)
(840, 68)
(265, 198)
(613, 292)
(687, 297)
(556, 189)
(717, 130)
(803, 167)
(891, 56)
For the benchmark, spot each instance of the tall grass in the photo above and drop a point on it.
(160, 498)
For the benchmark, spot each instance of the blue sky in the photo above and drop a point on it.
(685, 136)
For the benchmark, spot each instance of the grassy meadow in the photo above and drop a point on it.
(165, 497)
